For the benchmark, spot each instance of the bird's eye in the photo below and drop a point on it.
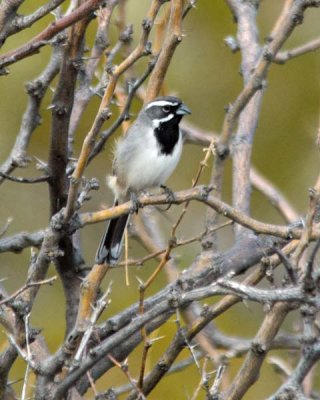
(166, 109)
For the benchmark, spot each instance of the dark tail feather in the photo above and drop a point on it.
(109, 250)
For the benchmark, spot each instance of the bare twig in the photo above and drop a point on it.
(105, 135)
(4, 229)
(19, 22)
(28, 285)
(36, 90)
(29, 355)
(284, 56)
(174, 37)
(45, 36)
(84, 93)
(289, 18)
(102, 303)
(273, 194)
(176, 244)
(125, 369)
(18, 179)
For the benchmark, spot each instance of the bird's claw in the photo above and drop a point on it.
(171, 198)
(135, 203)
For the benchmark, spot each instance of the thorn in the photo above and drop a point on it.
(140, 281)
(153, 340)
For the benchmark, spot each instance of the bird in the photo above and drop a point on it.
(144, 158)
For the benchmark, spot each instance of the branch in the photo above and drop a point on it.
(284, 56)
(293, 386)
(201, 194)
(19, 22)
(181, 298)
(43, 38)
(289, 19)
(247, 36)
(125, 112)
(36, 90)
(62, 103)
(28, 285)
(20, 241)
(250, 369)
(18, 179)
(174, 37)
(241, 257)
(8, 11)
(84, 92)
(274, 195)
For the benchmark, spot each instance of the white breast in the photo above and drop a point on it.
(148, 167)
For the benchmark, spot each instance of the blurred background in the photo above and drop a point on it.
(205, 74)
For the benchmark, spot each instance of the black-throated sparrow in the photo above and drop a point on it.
(144, 158)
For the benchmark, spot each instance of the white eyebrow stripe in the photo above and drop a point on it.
(157, 122)
(161, 103)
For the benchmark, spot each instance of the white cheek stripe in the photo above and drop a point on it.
(161, 103)
(157, 122)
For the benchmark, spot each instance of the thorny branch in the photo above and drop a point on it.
(50, 32)
(110, 69)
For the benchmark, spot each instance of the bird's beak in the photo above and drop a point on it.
(183, 110)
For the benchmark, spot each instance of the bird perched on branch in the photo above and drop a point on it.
(144, 158)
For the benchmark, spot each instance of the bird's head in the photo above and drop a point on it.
(165, 110)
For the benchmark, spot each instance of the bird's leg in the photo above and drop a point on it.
(135, 202)
(171, 198)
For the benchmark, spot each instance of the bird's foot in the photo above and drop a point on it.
(135, 202)
(171, 198)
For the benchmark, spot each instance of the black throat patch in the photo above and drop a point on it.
(167, 135)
